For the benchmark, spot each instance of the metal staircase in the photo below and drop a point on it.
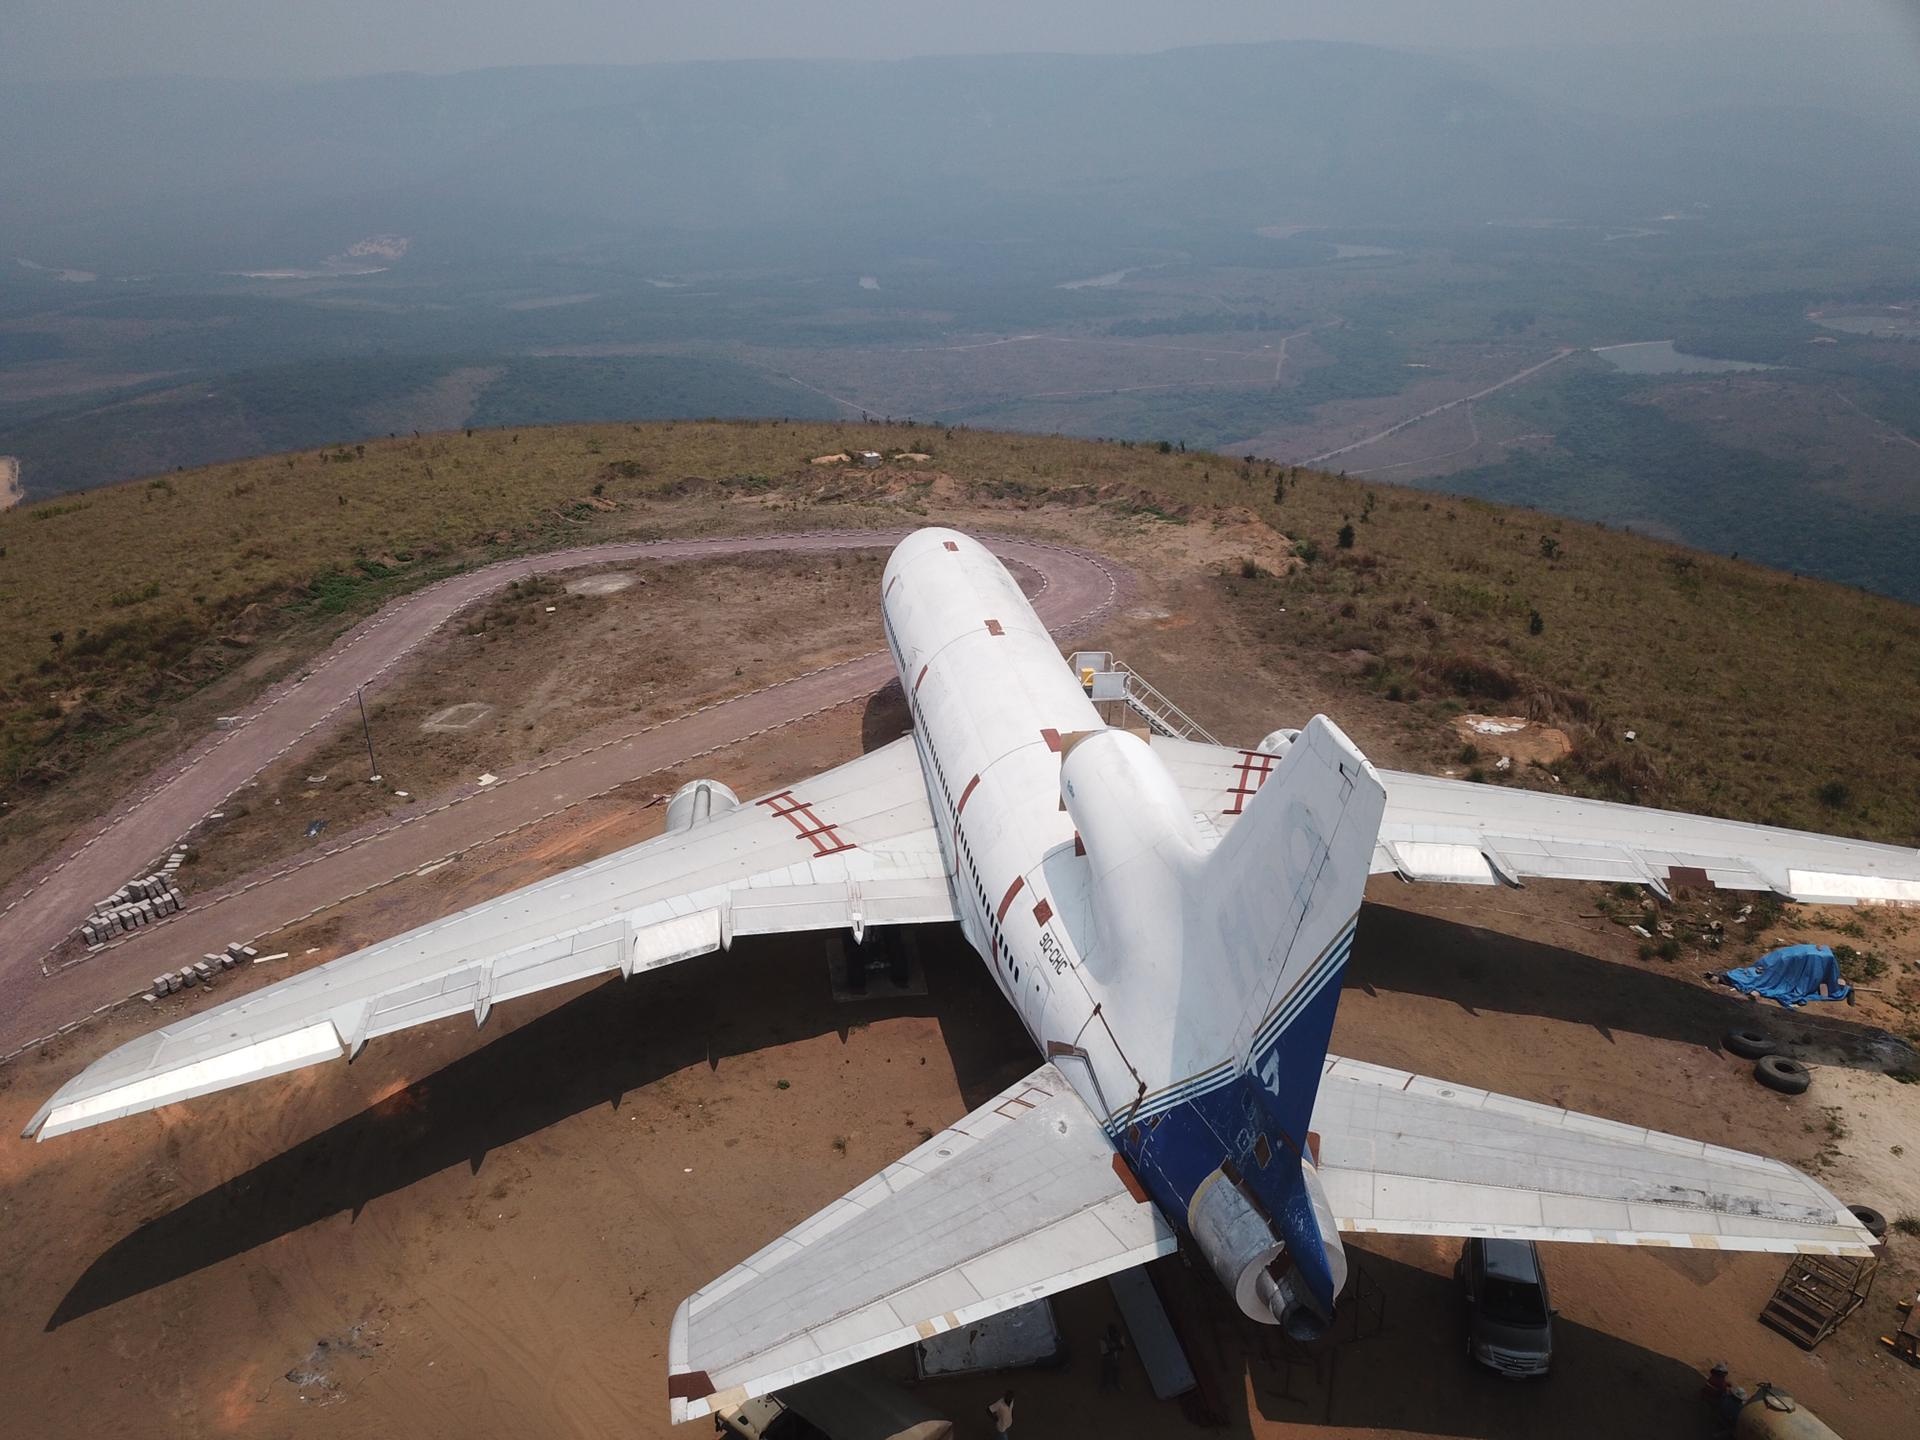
(1816, 1294)
(1109, 681)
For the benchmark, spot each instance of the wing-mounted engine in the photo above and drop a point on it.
(1282, 1269)
(697, 802)
(1277, 742)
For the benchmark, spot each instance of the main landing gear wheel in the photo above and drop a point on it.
(1777, 1072)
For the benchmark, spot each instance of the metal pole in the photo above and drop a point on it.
(373, 765)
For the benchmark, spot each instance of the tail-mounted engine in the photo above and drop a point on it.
(697, 802)
(1270, 1271)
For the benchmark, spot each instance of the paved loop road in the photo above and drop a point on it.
(1077, 588)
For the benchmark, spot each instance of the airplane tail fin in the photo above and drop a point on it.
(1284, 889)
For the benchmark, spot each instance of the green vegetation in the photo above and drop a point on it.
(664, 387)
(1618, 457)
(297, 407)
(1724, 671)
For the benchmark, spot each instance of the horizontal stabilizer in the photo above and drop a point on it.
(1404, 1155)
(1022, 1198)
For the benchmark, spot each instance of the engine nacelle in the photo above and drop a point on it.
(697, 802)
(1277, 742)
(1251, 1257)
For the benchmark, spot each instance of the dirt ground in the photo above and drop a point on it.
(487, 1232)
(545, 667)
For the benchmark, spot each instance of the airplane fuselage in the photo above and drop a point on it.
(992, 704)
(1105, 990)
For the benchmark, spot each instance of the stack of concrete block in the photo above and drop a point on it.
(202, 971)
(135, 904)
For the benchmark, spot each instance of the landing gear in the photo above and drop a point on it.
(883, 965)
(853, 965)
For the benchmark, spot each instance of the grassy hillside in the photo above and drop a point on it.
(1751, 693)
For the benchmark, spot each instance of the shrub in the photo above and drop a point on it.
(1473, 678)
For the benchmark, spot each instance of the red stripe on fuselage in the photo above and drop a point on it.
(1007, 900)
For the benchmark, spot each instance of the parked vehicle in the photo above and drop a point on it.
(1509, 1317)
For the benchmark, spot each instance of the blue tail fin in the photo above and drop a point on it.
(1287, 882)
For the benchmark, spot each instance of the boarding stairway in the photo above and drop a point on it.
(1109, 681)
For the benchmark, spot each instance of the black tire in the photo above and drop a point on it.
(899, 968)
(1875, 1222)
(1777, 1072)
(1748, 1044)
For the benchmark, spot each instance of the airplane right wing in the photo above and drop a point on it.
(1402, 1154)
(1024, 1197)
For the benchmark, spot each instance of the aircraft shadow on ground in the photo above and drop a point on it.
(885, 717)
(1478, 969)
(588, 1051)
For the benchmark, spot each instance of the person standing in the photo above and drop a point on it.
(1002, 1412)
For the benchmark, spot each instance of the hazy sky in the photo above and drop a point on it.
(61, 39)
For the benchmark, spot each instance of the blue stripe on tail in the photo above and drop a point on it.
(1290, 1048)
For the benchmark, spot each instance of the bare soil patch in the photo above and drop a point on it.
(542, 670)
(1513, 737)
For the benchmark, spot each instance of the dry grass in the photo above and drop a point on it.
(1749, 691)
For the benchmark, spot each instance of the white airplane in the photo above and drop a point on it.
(1170, 920)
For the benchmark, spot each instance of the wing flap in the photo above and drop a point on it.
(1016, 1201)
(1407, 1155)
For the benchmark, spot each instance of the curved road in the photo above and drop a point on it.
(1077, 588)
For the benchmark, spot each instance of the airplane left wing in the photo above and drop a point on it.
(1462, 833)
(850, 848)
(1024, 1197)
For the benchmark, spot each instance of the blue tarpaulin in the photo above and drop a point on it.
(1792, 975)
